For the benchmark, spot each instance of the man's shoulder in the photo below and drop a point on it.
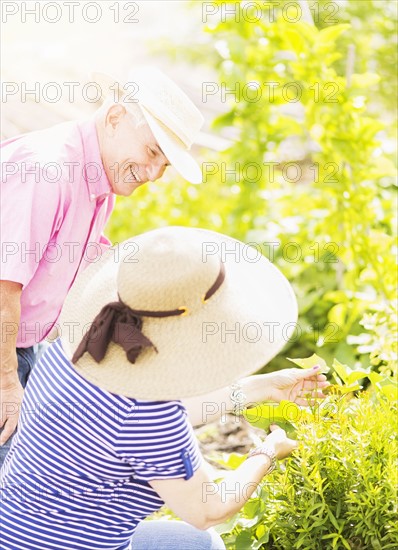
(46, 145)
(54, 155)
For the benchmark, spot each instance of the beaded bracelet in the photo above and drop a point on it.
(264, 450)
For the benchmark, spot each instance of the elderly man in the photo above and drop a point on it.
(58, 190)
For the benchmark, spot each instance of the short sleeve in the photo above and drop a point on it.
(158, 441)
(30, 213)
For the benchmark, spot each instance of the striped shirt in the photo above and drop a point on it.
(77, 474)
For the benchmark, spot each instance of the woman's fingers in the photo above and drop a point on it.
(310, 385)
(308, 401)
(309, 391)
(317, 377)
(315, 392)
(274, 427)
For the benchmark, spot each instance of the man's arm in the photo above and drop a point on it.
(10, 387)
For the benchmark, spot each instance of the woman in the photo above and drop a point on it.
(160, 325)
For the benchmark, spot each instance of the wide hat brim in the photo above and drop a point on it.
(175, 151)
(241, 328)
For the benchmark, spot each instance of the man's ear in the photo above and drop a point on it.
(114, 115)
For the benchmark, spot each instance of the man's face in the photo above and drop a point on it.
(131, 155)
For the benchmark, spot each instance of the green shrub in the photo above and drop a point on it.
(337, 491)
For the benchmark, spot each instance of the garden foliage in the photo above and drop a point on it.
(339, 489)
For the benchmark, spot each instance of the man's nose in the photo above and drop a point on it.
(156, 171)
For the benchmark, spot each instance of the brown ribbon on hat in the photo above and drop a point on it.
(118, 323)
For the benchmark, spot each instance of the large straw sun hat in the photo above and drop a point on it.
(225, 311)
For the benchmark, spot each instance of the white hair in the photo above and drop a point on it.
(132, 108)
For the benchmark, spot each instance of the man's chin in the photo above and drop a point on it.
(135, 186)
(126, 192)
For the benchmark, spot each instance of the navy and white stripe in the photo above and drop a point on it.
(76, 476)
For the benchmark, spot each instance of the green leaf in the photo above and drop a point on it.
(227, 526)
(252, 508)
(346, 544)
(226, 119)
(244, 539)
(329, 34)
(385, 385)
(310, 362)
(295, 40)
(347, 375)
(263, 540)
(336, 296)
(364, 80)
(342, 390)
(337, 314)
(285, 414)
(264, 424)
(231, 461)
(390, 391)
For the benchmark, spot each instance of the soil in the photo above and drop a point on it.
(230, 435)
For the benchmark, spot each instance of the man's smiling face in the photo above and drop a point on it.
(130, 153)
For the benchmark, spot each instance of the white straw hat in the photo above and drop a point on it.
(174, 120)
(228, 311)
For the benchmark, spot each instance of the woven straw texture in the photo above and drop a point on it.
(235, 333)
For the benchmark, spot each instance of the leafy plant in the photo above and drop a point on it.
(339, 489)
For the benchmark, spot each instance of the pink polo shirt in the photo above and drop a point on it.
(55, 202)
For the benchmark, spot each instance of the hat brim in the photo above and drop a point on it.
(240, 329)
(175, 152)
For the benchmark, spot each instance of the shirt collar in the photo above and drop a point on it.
(93, 170)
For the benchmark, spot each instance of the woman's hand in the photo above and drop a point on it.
(203, 503)
(278, 441)
(302, 386)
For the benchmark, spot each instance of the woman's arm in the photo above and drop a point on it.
(207, 408)
(290, 384)
(203, 503)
